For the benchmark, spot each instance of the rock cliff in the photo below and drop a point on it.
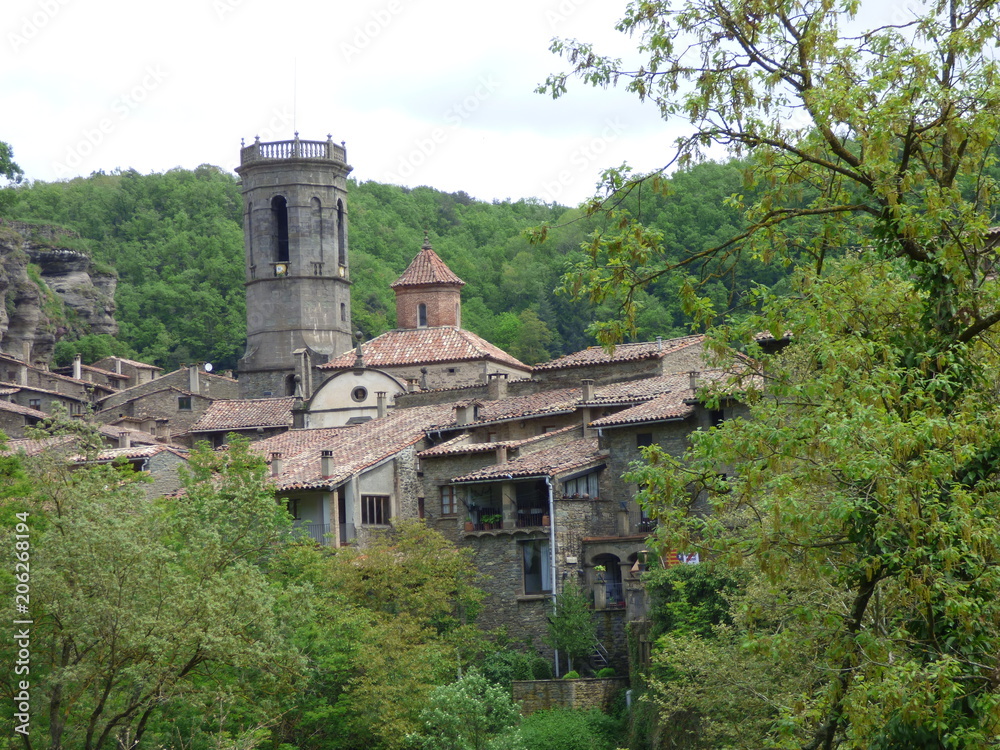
(49, 290)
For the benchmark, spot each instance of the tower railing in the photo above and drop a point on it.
(293, 149)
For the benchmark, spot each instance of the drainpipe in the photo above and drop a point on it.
(552, 557)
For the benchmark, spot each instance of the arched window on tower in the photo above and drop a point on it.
(341, 236)
(279, 224)
(316, 207)
(421, 315)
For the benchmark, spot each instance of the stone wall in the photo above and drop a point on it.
(443, 303)
(542, 695)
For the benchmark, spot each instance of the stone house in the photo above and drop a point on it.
(256, 419)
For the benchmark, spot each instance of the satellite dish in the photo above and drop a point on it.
(208, 367)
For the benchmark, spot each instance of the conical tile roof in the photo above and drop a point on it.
(427, 268)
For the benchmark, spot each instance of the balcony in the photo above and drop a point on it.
(609, 595)
(317, 532)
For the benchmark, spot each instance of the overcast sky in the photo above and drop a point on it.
(423, 92)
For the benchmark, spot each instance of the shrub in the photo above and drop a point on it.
(606, 672)
(568, 729)
(571, 675)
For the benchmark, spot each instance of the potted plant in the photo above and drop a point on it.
(599, 569)
(470, 526)
(494, 521)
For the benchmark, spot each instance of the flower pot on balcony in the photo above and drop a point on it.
(545, 521)
(470, 526)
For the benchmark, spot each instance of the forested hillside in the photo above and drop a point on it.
(176, 242)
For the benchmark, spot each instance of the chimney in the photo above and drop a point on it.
(22, 374)
(588, 390)
(380, 395)
(77, 367)
(693, 380)
(194, 382)
(423, 378)
(118, 365)
(326, 463)
(502, 453)
(463, 414)
(496, 388)
(659, 343)
(124, 439)
(275, 464)
(412, 385)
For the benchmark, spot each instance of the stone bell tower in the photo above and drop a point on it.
(297, 274)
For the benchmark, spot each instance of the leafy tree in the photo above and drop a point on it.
(570, 729)
(8, 168)
(870, 467)
(571, 630)
(470, 714)
(140, 607)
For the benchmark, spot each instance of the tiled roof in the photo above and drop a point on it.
(34, 446)
(548, 462)
(141, 451)
(8, 390)
(133, 363)
(559, 401)
(35, 389)
(10, 406)
(135, 436)
(622, 353)
(354, 448)
(244, 413)
(459, 445)
(667, 406)
(416, 346)
(427, 268)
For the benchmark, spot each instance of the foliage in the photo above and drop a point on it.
(381, 628)
(470, 714)
(141, 606)
(606, 672)
(569, 729)
(571, 629)
(503, 665)
(571, 675)
(91, 348)
(8, 168)
(690, 599)
(868, 472)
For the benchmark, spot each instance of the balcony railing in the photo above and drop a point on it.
(294, 149)
(531, 518)
(315, 531)
(640, 523)
(609, 595)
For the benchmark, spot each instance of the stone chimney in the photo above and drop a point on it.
(22, 374)
(463, 414)
(326, 463)
(423, 378)
(496, 388)
(380, 395)
(588, 390)
(194, 379)
(502, 453)
(124, 438)
(77, 367)
(693, 380)
(276, 463)
(118, 365)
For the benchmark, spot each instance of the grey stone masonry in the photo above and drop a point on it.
(297, 269)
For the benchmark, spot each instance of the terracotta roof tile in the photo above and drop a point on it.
(427, 268)
(424, 346)
(245, 413)
(460, 445)
(10, 406)
(667, 406)
(548, 462)
(354, 448)
(623, 353)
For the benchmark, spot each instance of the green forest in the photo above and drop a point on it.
(175, 241)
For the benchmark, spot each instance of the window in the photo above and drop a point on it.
(279, 217)
(449, 506)
(343, 311)
(582, 485)
(375, 510)
(535, 559)
(35, 403)
(643, 439)
(421, 315)
(421, 508)
(184, 403)
(717, 416)
(359, 394)
(293, 509)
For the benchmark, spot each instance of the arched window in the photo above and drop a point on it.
(317, 224)
(343, 311)
(279, 223)
(290, 385)
(421, 315)
(341, 235)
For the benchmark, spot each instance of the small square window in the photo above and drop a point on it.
(35, 403)
(643, 439)
(184, 403)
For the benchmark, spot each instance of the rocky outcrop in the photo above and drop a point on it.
(49, 290)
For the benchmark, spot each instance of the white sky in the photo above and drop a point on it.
(424, 92)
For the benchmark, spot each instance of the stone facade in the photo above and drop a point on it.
(543, 695)
(297, 270)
